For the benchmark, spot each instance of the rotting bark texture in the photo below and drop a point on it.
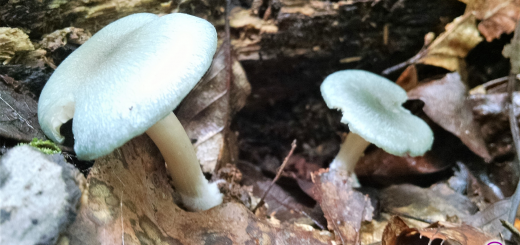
(302, 41)
(18, 119)
(129, 198)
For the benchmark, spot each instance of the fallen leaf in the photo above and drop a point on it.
(344, 208)
(451, 47)
(498, 16)
(283, 205)
(130, 201)
(429, 204)
(385, 168)
(408, 79)
(206, 112)
(397, 232)
(372, 232)
(18, 119)
(462, 234)
(446, 104)
(393, 229)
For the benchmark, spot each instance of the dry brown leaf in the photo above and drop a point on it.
(18, 117)
(408, 79)
(281, 204)
(446, 104)
(205, 113)
(393, 229)
(430, 204)
(385, 168)
(344, 208)
(129, 199)
(498, 16)
(462, 234)
(453, 45)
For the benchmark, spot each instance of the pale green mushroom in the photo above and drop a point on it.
(125, 81)
(372, 108)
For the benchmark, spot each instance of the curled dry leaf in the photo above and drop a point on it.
(206, 112)
(18, 117)
(129, 199)
(446, 104)
(397, 232)
(408, 79)
(393, 229)
(344, 208)
(498, 16)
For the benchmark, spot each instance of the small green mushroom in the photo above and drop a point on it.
(125, 81)
(371, 107)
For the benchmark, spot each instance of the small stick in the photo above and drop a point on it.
(515, 198)
(21, 118)
(280, 170)
(510, 227)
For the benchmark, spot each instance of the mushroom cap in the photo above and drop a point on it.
(371, 107)
(125, 78)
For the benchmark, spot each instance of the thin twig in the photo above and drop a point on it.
(227, 50)
(280, 170)
(515, 199)
(510, 227)
(21, 118)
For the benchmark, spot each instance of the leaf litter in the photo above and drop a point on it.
(129, 198)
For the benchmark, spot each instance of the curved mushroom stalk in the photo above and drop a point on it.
(349, 153)
(181, 161)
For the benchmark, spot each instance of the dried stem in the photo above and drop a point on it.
(515, 199)
(280, 170)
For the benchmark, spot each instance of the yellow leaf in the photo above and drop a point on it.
(453, 45)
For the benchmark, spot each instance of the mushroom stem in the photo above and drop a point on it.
(181, 161)
(349, 153)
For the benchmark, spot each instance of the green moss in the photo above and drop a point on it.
(45, 146)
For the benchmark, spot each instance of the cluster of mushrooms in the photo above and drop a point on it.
(117, 86)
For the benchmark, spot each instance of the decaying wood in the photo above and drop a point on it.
(129, 198)
(302, 40)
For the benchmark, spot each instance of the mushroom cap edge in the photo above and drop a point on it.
(115, 92)
(372, 108)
